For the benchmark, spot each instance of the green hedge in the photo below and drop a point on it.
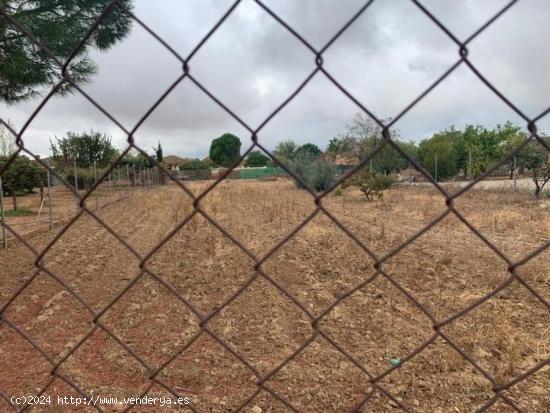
(257, 173)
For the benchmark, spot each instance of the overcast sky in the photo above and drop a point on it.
(385, 59)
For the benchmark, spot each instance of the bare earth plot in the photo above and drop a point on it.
(445, 270)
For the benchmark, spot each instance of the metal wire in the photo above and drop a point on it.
(318, 69)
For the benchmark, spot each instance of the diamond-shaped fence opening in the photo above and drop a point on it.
(102, 305)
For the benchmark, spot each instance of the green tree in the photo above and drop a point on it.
(84, 148)
(256, 158)
(441, 146)
(208, 162)
(370, 183)
(307, 151)
(510, 137)
(26, 68)
(411, 149)
(537, 160)
(362, 136)
(318, 174)
(285, 150)
(483, 146)
(22, 175)
(137, 159)
(226, 150)
(158, 153)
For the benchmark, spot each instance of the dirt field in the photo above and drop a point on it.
(446, 269)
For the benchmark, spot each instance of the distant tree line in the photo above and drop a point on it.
(446, 154)
(469, 152)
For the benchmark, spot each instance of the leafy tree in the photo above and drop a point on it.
(86, 148)
(307, 151)
(362, 136)
(358, 140)
(323, 175)
(225, 150)
(256, 158)
(22, 175)
(538, 162)
(509, 138)
(285, 150)
(26, 68)
(315, 172)
(137, 159)
(193, 165)
(484, 146)
(208, 162)
(158, 153)
(441, 146)
(411, 149)
(370, 183)
(7, 142)
(335, 148)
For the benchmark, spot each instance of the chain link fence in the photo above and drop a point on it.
(261, 380)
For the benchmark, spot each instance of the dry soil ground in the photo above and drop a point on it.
(446, 269)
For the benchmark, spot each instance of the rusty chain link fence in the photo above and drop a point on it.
(203, 319)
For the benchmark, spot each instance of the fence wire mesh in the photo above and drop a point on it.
(203, 319)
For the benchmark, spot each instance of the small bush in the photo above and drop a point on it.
(323, 175)
(370, 183)
(317, 174)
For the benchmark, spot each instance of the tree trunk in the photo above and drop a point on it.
(161, 176)
(14, 197)
(537, 187)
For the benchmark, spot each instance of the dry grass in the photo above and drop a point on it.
(446, 269)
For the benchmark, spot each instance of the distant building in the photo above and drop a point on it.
(173, 162)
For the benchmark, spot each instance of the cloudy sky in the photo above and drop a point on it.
(385, 59)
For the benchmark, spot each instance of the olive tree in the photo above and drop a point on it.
(21, 175)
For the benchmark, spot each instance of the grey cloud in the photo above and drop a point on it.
(389, 56)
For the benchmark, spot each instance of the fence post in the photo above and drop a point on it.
(514, 172)
(128, 177)
(49, 194)
(76, 184)
(436, 180)
(4, 239)
(470, 164)
(110, 188)
(97, 189)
